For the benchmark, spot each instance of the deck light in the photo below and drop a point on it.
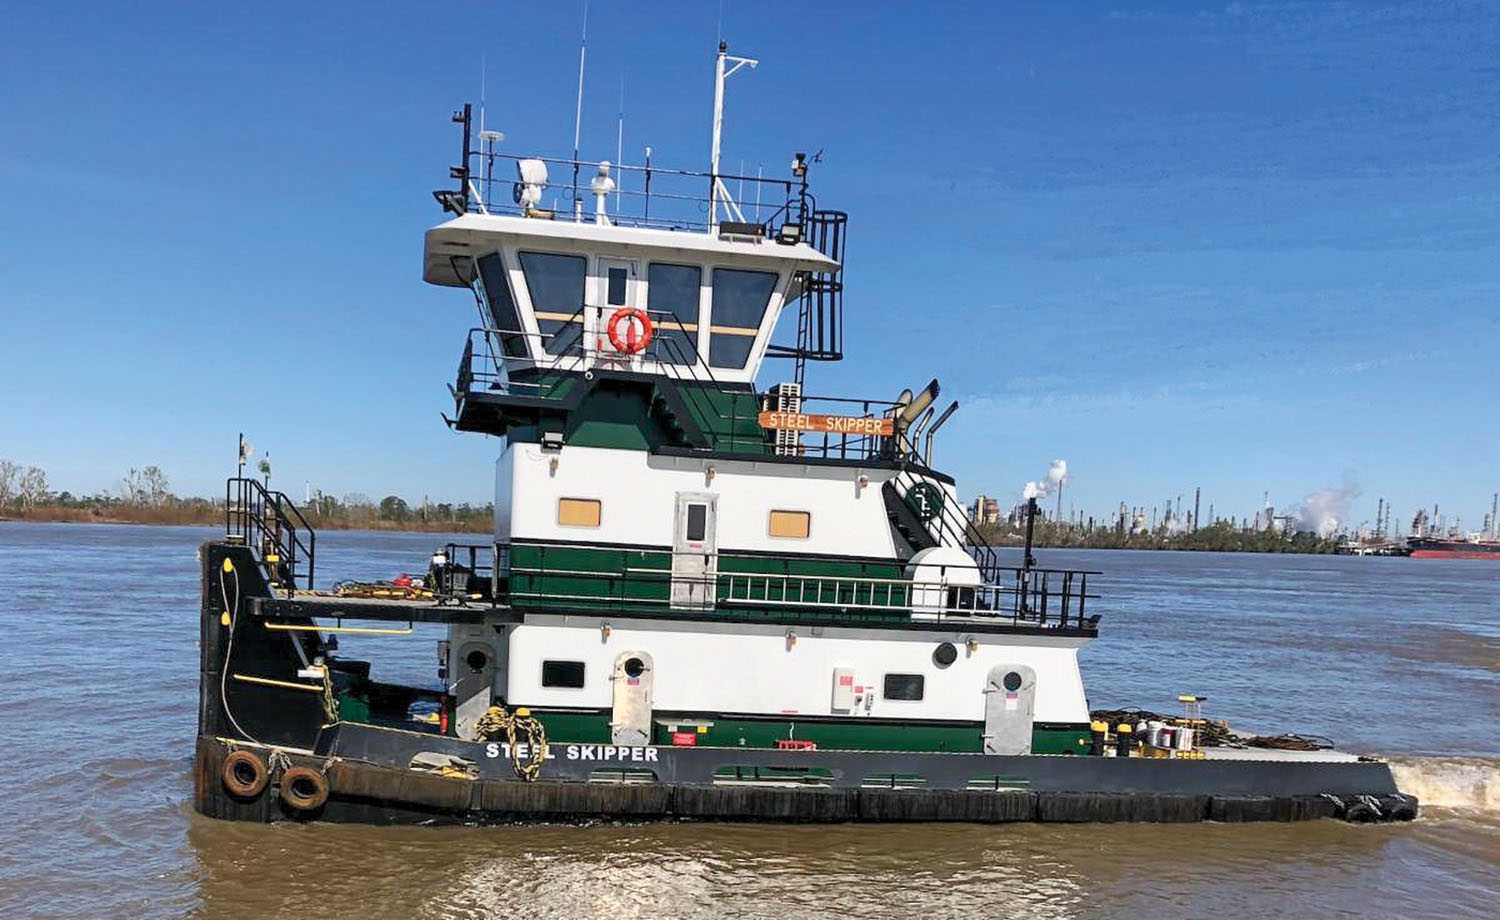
(972, 644)
(604, 631)
(791, 639)
(799, 165)
(789, 234)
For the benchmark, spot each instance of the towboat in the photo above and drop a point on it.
(701, 598)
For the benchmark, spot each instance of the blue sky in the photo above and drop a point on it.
(1252, 247)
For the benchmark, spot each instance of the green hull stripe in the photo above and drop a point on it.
(854, 735)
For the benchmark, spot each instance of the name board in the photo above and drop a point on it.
(830, 424)
(592, 752)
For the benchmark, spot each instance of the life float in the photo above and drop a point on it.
(244, 774)
(304, 788)
(629, 344)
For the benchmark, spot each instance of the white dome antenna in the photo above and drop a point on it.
(601, 187)
(531, 178)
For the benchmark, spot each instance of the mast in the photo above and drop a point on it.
(716, 190)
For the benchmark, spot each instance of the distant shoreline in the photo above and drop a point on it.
(200, 516)
(158, 517)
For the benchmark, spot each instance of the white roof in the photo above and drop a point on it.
(473, 235)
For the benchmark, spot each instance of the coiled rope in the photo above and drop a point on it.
(498, 721)
(383, 590)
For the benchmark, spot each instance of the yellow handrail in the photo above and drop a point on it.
(316, 688)
(362, 630)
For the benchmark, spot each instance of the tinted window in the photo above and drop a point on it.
(697, 522)
(740, 299)
(562, 674)
(904, 686)
(616, 287)
(674, 289)
(503, 315)
(556, 286)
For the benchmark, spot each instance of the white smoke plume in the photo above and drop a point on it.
(1057, 475)
(1325, 511)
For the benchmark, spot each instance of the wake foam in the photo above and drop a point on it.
(1465, 783)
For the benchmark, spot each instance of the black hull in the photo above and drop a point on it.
(1422, 548)
(1036, 788)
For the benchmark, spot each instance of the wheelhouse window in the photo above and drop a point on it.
(578, 512)
(792, 525)
(495, 285)
(904, 686)
(739, 305)
(673, 289)
(565, 674)
(556, 284)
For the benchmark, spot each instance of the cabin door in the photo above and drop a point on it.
(1009, 703)
(630, 719)
(695, 550)
(619, 288)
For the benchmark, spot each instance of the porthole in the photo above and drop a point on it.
(634, 667)
(1012, 681)
(476, 660)
(945, 654)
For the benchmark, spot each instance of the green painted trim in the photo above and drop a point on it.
(639, 413)
(835, 735)
(545, 575)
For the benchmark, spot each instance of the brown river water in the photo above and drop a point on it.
(98, 696)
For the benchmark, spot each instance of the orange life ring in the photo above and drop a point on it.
(629, 345)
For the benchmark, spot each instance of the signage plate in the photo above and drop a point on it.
(828, 424)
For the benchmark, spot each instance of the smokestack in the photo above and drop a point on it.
(1494, 521)
(1197, 497)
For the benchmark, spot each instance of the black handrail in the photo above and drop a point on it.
(268, 522)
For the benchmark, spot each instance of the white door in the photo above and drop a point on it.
(630, 720)
(619, 288)
(695, 550)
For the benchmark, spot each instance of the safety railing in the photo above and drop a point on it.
(681, 199)
(730, 411)
(268, 522)
(1039, 598)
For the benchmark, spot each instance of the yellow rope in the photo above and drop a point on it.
(498, 721)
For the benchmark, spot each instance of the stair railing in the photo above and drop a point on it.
(269, 523)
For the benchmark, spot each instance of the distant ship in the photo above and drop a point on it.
(1434, 548)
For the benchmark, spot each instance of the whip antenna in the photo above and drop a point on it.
(583, 44)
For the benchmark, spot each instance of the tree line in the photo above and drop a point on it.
(1221, 536)
(143, 495)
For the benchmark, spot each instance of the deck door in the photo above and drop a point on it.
(1009, 705)
(695, 551)
(619, 287)
(630, 719)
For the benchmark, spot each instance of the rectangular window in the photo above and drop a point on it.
(568, 674)
(904, 686)
(674, 289)
(496, 286)
(697, 523)
(556, 285)
(739, 305)
(795, 525)
(578, 512)
(616, 293)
